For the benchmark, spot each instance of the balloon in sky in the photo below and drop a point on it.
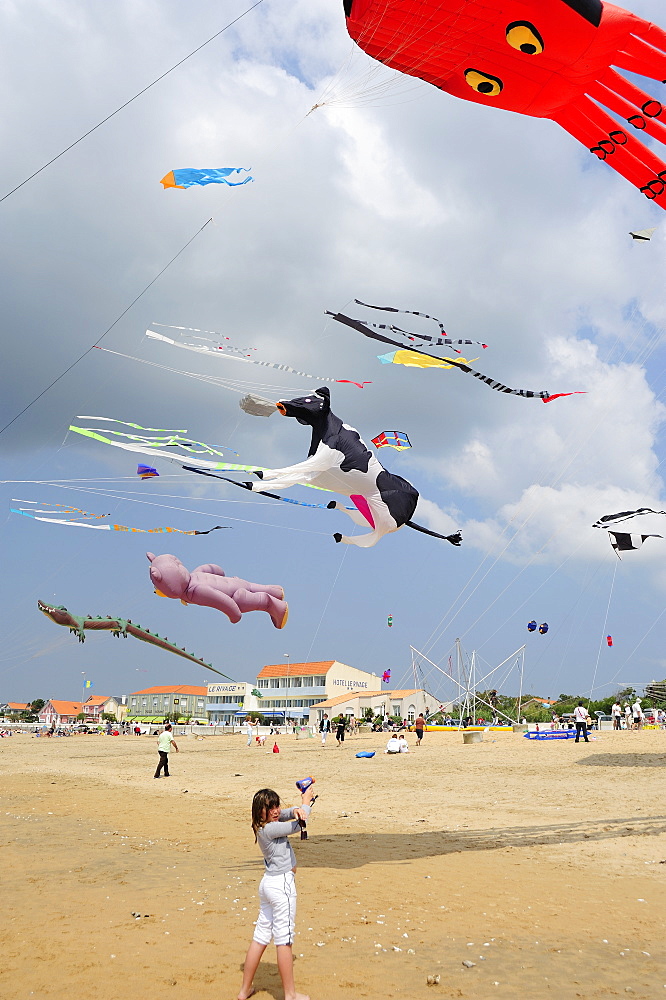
(338, 460)
(531, 626)
(543, 58)
(213, 175)
(208, 587)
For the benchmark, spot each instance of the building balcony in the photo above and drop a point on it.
(224, 706)
(294, 692)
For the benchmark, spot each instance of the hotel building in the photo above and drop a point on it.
(290, 690)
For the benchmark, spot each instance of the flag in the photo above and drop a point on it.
(87, 684)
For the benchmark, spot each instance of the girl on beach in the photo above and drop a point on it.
(277, 891)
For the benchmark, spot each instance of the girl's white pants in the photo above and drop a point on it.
(277, 909)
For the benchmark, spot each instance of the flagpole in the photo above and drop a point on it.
(83, 693)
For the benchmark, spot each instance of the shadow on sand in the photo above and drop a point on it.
(345, 850)
(624, 760)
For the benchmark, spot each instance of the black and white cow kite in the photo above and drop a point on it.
(338, 460)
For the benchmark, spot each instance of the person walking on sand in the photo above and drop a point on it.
(580, 718)
(616, 714)
(249, 730)
(272, 827)
(637, 713)
(164, 743)
(419, 726)
(340, 731)
(324, 729)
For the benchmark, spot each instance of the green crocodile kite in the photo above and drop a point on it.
(118, 626)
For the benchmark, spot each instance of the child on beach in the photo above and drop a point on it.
(277, 891)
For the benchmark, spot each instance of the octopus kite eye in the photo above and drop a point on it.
(483, 83)
(523, 36)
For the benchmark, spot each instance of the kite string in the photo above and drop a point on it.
(601, 638)
(189, 510)
(109, 328)
(131, 99)
(554, 480)
(328, 601)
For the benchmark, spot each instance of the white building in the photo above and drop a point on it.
(228, 702)
(290, 690)
(407, 703)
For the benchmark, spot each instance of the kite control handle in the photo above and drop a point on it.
(303, 786)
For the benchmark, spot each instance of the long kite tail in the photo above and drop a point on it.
(366, 331)
(455, 539)
(262, 493)
(119, 626)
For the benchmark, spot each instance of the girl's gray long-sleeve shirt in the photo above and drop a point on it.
(273, 840)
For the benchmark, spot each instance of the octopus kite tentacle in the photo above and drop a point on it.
(118, 626)
(541, 58)
(595, 128)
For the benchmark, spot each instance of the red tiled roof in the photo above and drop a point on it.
(177, 689)
(96, 699)
(64, 707)
(296, 669)
(17, 706)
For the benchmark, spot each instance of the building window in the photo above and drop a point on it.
(396, 710)
(275, 682)
(411, 713)
(319, 681)
(296, 682)
(263, 683)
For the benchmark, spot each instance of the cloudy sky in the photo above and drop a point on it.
(393, 192)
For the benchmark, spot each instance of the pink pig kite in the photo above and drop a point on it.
(209, 587)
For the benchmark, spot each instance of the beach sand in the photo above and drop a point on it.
(544, 863)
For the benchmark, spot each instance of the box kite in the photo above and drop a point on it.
(392, 439)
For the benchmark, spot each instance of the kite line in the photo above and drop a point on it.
(109, 328)
(131, 99)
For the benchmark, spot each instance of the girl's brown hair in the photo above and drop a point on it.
(263, 800)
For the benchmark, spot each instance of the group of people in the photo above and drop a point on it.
(633, 716)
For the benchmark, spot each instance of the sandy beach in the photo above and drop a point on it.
(544, 864)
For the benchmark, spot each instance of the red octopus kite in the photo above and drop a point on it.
(544, 58)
